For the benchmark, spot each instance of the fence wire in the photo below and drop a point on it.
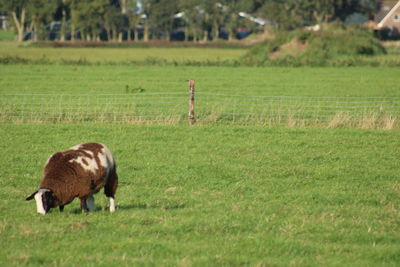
(172, 108)
(92, 108)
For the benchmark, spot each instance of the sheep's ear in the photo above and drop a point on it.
(31, 196)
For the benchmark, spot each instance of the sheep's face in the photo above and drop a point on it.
(45, 200)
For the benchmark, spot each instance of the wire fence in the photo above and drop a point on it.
(107, 108)
(172, 108)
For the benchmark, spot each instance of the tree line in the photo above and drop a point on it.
(198, 20)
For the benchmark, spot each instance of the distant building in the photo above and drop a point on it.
(4, 23)
(388, 19)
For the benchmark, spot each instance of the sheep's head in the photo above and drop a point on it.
(45, 200)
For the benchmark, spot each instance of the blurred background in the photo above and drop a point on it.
(186, 20)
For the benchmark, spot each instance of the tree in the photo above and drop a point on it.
(209, 17)
(18, 10)
(129, 9)
(146, 6)
(234, 7)
(111, 19)
(162, 16)
(322, 10)
(213, 18)
(74, 17)
(286, 14)
(63, 8)
(191, 14)
(85, 18)
(92, 17)
(40, 14)
(290, 14)
(344, 8)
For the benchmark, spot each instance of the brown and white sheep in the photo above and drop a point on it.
(80, 171)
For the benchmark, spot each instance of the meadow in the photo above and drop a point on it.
(214, 194)
(117, 55)
(203, 195)
(361, 97)
(276, 81)
(212, 54)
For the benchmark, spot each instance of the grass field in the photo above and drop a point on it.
(153, 56)
(110, 55)
(210, 196)
(6, 36)
(348, 90)
(333, 82)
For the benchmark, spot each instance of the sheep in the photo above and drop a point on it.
(80, 171)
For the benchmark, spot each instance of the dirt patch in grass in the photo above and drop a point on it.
(293, 48)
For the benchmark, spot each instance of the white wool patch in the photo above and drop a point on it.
(90, 166)
(79, 147)
(106, 158)
(112, 204)
(39, 201)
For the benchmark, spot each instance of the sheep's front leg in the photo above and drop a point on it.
(90, 203)
(61, 208)
(84, 204)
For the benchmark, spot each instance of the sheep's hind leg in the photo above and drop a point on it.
(112, 204)
(61, 208)
(110, 188)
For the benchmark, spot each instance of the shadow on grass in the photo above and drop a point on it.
(128, 207)
(146, 206)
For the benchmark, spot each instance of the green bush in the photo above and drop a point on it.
(334, 42)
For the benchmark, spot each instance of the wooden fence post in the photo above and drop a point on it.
(192, 119)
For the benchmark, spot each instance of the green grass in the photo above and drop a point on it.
(210, 196)
(205, 195)
(6, 35)
(335, 82)
(27, 53)
(110, 55)
(127, 81)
